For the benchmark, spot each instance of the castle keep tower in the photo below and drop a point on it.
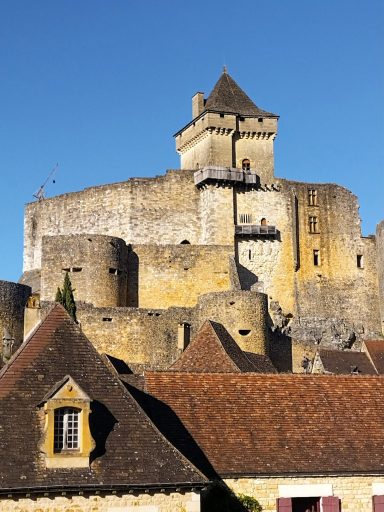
(228, 130)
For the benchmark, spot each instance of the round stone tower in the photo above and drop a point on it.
(243, 313)
(96, 264)
(13, 299)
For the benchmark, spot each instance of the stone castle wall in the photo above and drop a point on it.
(176, 275)
(162, 210)
(13, 299)
(97, 266)
(380, 266)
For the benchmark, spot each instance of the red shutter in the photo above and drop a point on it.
(378, 503)
(331, 504)
(284, 504)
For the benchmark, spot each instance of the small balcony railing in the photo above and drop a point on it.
(255, 229)
(224, 175)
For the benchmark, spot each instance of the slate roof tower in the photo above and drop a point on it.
(228, 130)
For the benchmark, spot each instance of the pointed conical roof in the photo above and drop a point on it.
(227, 96)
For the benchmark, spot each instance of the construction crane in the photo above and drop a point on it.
(40, 194)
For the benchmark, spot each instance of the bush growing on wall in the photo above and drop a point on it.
(219, 498)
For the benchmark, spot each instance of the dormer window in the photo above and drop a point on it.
(246, 164)
(67, 441)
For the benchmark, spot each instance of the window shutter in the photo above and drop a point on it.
(284, 504)
(331, 504)
(378, 503)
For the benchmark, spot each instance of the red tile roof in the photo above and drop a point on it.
(252, 424)
(130, 451)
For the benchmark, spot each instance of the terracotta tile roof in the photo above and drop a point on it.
(252, 424)
(130, 450)
(346, 362)
(214, 350)
(375, 351)
(227, 96)
(261, 363)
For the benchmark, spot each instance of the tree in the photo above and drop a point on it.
(65, 297)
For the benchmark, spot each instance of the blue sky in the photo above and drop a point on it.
(100, 86)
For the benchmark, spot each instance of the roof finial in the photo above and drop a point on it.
(225, 69)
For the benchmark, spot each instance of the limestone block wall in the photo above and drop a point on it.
(355, 492)
(268, 260)
(337, 283)
(13, 299)
(97, 266)
(161, 210)
(176, 275)
(216, 210)
(380, 267)
(144, 338)
(105, 502)
(243, 313)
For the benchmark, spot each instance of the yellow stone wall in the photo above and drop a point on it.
(355, 492)
(165, 502)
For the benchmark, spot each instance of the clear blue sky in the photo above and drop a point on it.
(100, 86)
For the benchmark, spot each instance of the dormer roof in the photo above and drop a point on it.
(228, 97)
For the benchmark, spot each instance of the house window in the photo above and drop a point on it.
(246, 164)
(316, 257)
(313, 225)
(312, 197)
(66, 429)
(359, 261)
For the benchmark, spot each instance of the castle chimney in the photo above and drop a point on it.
(197, 104)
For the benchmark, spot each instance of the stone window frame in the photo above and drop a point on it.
(313, 224)
(66, 394)
(312, 197)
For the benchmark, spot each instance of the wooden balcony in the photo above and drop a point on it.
(255, 230)
(222, 174)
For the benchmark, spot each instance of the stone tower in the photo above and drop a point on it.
(228, 130)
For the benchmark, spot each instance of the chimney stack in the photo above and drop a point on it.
(197, 104)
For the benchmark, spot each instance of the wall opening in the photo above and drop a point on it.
(316, 257)
(183, 335)
(246, 164)
(185, 242)
(107, 319)
(263, 221)
(244, 332)
(359, 261)
(114, 271)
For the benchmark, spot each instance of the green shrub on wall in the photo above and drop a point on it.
(217, 497)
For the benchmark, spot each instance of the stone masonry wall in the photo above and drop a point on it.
(97, 266)
(176, 275)
(150, 502)
(13, 298)
(161, 210)
(380, 267)
(355, 492)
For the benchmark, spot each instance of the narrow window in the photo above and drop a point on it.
(260, 120)
(249, 254)
(107, 319)
(76, 269)
(313, 225)
(242, 118)
(246, 164)
(263, 222)
(359, 261)
(66, 429)
(221, 115)
(115, 271)
(245, 218)
(312, 197)
(316, 257)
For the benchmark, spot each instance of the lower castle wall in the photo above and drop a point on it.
(355, 492)
(164, 502)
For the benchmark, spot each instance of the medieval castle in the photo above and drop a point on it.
(281, 264)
